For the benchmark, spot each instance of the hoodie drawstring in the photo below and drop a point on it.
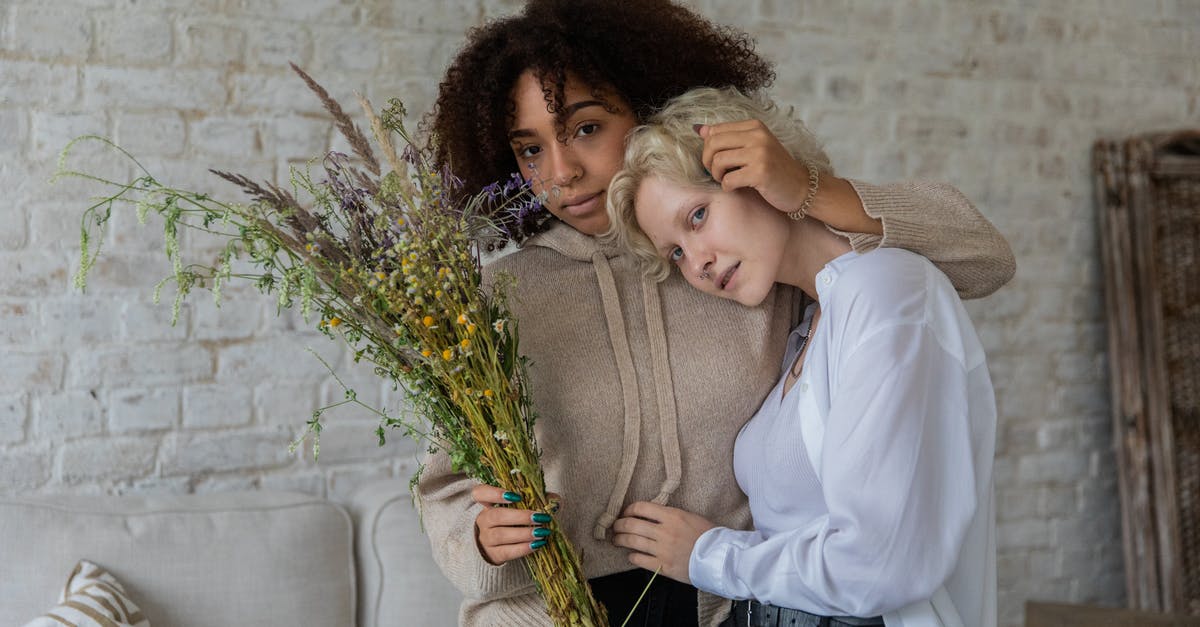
(668, 417)
(629, 387)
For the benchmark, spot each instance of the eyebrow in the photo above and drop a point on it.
(567, 112)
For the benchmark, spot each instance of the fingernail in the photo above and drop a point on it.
(537, 544)
(541, 532)
(697, 127)
(541, 518)
(512, 497)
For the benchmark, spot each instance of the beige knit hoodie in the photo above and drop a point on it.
(642, 387)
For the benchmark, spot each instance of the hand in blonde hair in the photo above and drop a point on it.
(747, 154)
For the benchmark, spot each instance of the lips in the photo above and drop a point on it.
(728, 275)
(580, 204)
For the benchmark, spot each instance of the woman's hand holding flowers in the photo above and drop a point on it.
(505, 533)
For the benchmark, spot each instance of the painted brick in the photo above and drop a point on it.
(324, 12)
(106, 459)
(342, 483)
(67, 415)
(285, 404)
(25, 468)
(153, 88)
(51, 32)
(141, 409)
(226, 483)
(147, 322)
(151, 133)
(14, 131)
(79, 320)
(1053, 467)
(20, 323)
(24, 82)
(1023, 534)
(226, 136)
(309, 483)
(298, 137)
(133, 37)
(345, 51)
(164, 364)
(255, 359)
(199, 452)
(275, 44)
(30, 371)
(345, 439)
(239, 316)
(14, 415)
(212, 43)
(448, 17)
(209, 406)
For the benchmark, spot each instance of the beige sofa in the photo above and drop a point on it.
(214, 560)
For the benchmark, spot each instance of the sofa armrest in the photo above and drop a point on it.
(398, 581)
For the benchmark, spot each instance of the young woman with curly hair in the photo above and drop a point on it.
(640, 386)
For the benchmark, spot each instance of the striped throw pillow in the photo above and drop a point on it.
(92, 598)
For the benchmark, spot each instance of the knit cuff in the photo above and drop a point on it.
(487, 581)
(903, 224)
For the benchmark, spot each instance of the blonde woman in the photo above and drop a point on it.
(869, 466)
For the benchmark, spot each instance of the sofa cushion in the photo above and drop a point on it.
(399, 583)
(92, 598)
(250, 558)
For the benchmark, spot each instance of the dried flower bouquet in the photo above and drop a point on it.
(391, 263)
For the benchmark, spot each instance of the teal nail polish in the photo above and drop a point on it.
(541, 532)
(537, 544)
(541, 518)
(512, 497)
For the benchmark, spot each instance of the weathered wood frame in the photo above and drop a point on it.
(1141, 410)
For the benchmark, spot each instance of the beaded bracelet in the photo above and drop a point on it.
(814, 179)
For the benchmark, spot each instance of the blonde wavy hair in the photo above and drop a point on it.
(667, 146)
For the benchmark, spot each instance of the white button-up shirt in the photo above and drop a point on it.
(870, 481)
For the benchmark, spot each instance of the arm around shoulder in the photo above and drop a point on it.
(938, 222)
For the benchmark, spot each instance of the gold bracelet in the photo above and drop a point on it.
(814, 179)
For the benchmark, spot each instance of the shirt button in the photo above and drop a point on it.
(827, 279)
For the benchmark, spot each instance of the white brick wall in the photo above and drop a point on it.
(1001, 98)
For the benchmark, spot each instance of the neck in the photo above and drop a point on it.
(809, 247)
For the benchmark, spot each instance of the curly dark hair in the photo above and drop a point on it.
(646, 50)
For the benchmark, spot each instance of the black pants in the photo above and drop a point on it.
(667, 603)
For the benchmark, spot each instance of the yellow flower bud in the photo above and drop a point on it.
(447, 354)
(462, 318)
(335, 321)
(426, 352)
(470, 328)
(427, 321)
(488, 393)
(465, 343)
